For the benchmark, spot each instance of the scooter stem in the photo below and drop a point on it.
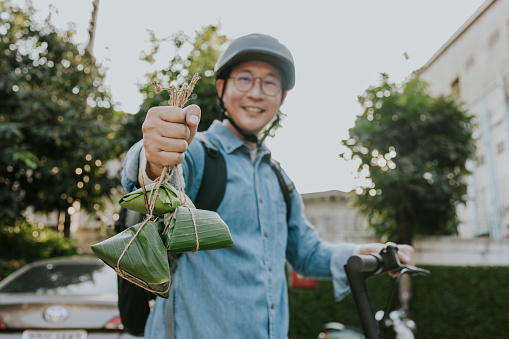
(358, 270)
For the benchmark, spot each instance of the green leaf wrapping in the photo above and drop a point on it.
(145, 261)
(166, 201)
(213, 233)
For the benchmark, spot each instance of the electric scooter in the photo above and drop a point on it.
(358, 269)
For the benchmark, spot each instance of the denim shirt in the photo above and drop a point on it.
(241, 291)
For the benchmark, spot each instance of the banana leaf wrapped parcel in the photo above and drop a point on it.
(166, 199)
(139, 253)
(145, 261)
(181, 235)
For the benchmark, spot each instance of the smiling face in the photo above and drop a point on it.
(251, 110)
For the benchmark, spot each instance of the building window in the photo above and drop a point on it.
(493, 38)
(455, 88)
(500, 147)
(505, 209)
(506, 88)
(480, 160)
(469, 63)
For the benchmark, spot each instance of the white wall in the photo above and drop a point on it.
(449, 251)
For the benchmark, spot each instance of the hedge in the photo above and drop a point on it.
(453, 302)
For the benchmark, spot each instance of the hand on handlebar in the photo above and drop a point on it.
(374, 260)
(405, 253)
(405, 256)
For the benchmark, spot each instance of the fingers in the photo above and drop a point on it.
(371, 248)
(193, 117)
(167, 132)
(406, 254)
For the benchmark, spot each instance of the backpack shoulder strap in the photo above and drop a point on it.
(285, 188)
(213, 182)
(127, 218)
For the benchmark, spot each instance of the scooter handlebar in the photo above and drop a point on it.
(365, 263)
(385, 261)
(359, 268)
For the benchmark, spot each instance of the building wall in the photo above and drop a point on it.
(474, 55)
(334, 217)
(474, 65)
(455, 251)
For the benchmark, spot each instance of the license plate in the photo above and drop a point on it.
(78, 334)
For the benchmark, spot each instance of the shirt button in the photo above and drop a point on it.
(272, 306)
(260, 200)
(270, 269)
(266, 235)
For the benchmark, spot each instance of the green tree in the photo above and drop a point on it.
(57, 123)
(413, 148)
(201, 57)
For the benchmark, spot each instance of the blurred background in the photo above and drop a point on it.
(397, 130)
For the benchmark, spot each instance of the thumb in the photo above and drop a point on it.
(193, 116)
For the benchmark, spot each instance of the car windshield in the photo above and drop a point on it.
(65, 279)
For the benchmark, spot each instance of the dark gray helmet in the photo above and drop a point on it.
(260, 47)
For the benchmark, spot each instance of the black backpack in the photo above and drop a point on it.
(134, 302)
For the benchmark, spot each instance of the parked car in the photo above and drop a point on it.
(64, 298)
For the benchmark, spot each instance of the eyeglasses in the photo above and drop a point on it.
(244, 81)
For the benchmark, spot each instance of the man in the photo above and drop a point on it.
(239, 292)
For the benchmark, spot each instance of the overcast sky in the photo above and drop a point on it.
(339, 47)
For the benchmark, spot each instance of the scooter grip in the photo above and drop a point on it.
(364, 263)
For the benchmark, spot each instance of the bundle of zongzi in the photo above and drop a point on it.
(173, 224)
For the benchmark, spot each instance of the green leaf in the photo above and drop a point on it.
(213, 233)
(167, 199)
(28, 158)
(145, 261)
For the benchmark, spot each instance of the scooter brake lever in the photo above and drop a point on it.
(413, 270)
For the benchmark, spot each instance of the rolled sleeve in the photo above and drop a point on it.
(337, 267)
(133, 162)
(131, 167)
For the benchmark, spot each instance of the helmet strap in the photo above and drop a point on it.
(247, 137)
(267, 131)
